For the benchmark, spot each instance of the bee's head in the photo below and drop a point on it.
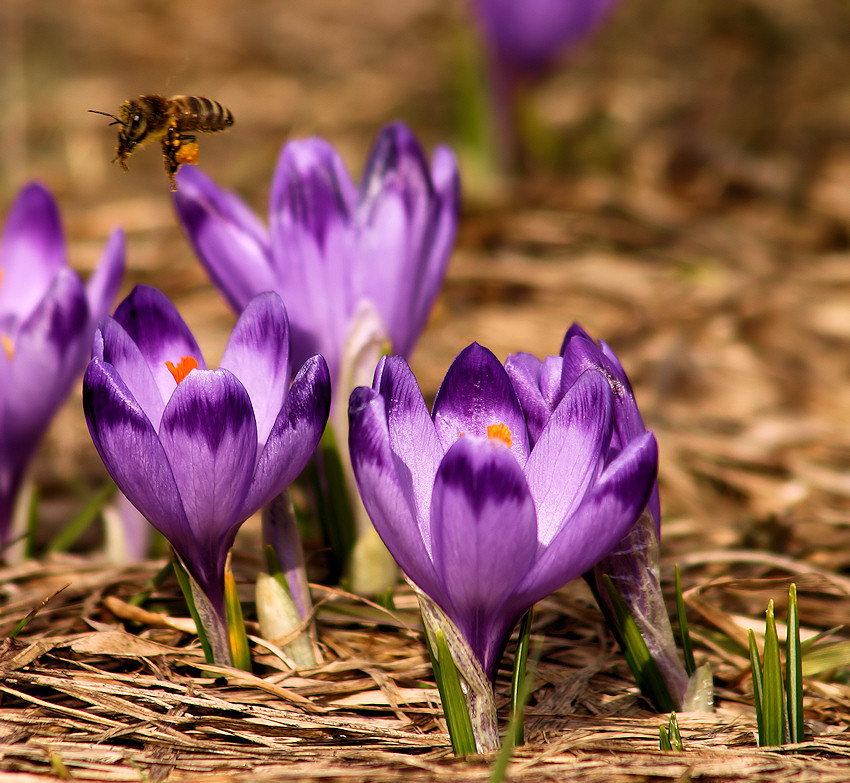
(132, 117)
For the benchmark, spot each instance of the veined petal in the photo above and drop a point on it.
(606, 515)
(395, 164)
(49, 351)
(114, 346)
(412, 435)
(580, 354)
(385, 267)
(132, 453)
(156, 327)
(294, 436)
(32, 250)
(209, 436)
(485, 538)
(316, 284)
(385, 485)
(570, 453)
(104, 283)
(538, 387)
(435, 246)
(476, 394)
(257, 354)
(311, 189)
(228, 238)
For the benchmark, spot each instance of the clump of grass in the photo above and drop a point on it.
(669, 737)
(779, 705)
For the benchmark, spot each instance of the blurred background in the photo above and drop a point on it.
(686, 200)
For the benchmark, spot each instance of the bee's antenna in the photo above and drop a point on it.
(116, 120)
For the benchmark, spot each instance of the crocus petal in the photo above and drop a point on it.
(606, 515)
(294, 436)
(154, 324)
(313, 249)
(209, 435)
(46, 357)
(413, 437)
(385, 485)
(538, 387)
(485, 538)
(104, 283)
(567, 458)
(476, 394)
(227, 236)
(528, 34)
(436, 245)
(131, 451)
(258, 354)
(32, 249)
(113, 345)
(311, 189)
(407, 232)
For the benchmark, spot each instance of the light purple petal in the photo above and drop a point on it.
(32, 250)
(437, 244)
(294, 436)
(407, 231)
(257, 354)
(313, 248)
(209, 436)
(114, 346)
(47, 356)
(156, 327)
(228, 238)
(311, 189)
(485, 538)
(385, 486)
(606, 515)
(528, 34)
(413, 437)
(132, 453)
(476, 394)
(538, 387)
(570, 453)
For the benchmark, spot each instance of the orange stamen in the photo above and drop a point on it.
(500, 432)
(8, 346)
(183, 368)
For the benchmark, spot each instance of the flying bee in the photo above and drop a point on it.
(170, 121)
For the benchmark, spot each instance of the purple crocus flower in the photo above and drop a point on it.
(526, 35)
(333, 248)
(47, 318)
(479, 520)
(633, 563)
(198, 451)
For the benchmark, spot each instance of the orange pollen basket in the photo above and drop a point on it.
(500, 432)
(183, 367)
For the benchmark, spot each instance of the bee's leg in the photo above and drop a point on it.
(170, 154)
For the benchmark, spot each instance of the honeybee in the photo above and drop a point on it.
(170, 121)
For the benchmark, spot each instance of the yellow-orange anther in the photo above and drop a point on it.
(8, 346)
(183, 368)
(501, 432)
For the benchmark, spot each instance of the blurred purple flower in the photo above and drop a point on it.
(47, 318)
(479, 520)
(633, 563)
(332, 246)
(198, 451)
(525, 36)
